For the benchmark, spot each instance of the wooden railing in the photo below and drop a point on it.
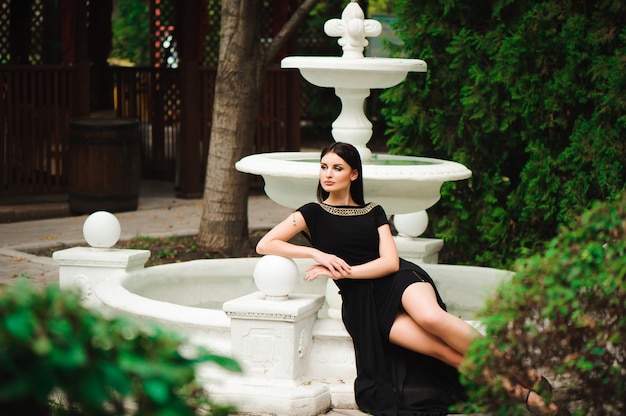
(35, 112)
(152, 96)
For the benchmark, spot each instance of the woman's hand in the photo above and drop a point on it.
(318, 270)
(328, 265)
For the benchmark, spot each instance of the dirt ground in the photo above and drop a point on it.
(166, 250)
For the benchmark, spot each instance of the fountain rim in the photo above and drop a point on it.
(283, 165)
(115, 294)
(364, 64)
(117, 297)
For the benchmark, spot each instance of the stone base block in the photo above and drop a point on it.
(276, 397)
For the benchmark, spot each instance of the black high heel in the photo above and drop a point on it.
(532, 411)
(544, 389)
(561, 411)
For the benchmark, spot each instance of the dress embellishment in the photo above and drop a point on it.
(348, 211)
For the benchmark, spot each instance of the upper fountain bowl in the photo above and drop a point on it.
(361, 73)
(401, 184)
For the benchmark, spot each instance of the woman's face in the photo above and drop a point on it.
(335, 174)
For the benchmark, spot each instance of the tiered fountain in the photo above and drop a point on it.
(297, 357)
(400, 184)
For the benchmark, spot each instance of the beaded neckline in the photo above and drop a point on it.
(348, 211)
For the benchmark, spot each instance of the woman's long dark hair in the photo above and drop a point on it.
(351, 156)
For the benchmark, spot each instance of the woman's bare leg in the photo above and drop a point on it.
(428, 329)
(420, 302)
(406, 333)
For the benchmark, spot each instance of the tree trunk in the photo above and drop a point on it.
(224, 224)
(242, 63)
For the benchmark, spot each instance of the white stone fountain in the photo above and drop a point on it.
(401, 184)
(296, 354)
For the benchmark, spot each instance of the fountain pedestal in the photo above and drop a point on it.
(86, 267)
(273, 339)
(421, 250)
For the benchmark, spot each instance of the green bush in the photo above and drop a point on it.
(528, 95)
(563, 311)
(131, 32)
(51, 346)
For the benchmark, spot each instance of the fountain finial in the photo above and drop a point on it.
(352, 29)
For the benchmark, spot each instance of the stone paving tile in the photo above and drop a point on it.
(13, 263)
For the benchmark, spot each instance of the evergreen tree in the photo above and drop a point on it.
(529, 96)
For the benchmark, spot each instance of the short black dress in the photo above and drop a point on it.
(390, 380)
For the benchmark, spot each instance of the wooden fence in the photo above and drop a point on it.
(36, 110)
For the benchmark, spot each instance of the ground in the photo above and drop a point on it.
(166, 250)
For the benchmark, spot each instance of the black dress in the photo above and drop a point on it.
(391, 380)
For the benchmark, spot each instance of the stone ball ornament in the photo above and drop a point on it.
(276, 276)
(102, 229)
(411, 225)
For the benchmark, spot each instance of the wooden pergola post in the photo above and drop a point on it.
(189, 18)
(82, 89)
(19, 24)
(100, 45)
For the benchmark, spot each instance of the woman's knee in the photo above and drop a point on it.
(420, 302)
(431, 320)
(406, 333)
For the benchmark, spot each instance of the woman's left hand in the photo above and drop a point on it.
(317, 270)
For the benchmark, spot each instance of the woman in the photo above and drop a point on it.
(407, 347)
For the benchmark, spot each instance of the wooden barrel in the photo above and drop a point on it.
(104, 165)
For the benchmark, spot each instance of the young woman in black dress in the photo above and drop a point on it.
(407, 347)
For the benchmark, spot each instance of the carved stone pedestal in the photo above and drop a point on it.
(86, 267)
(272, 340)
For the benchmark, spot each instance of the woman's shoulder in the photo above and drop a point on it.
(308, 206)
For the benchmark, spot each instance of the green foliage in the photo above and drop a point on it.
(528, 95)
(564, 311)
(49, 343)
(131, 35)
(380, 6)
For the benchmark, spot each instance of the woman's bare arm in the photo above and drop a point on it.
(387, 263)
(276, 242)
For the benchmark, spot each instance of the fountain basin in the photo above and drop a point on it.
(359, 73)
(401, 184)
(189, 296)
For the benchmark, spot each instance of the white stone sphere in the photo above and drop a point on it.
(411, 225)
(101, 229)
(276, 276)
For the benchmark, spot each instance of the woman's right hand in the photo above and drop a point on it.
(337, 266)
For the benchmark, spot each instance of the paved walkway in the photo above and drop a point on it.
(160, 214)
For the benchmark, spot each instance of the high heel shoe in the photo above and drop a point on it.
(544, 389)
(545, 410)
(531, 410)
